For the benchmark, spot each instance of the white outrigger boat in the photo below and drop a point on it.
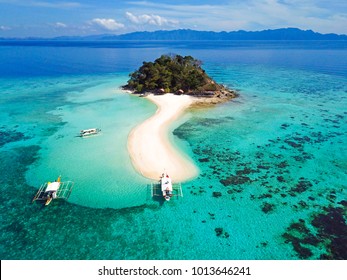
(90, 131)
(53, 190)
(166, 188)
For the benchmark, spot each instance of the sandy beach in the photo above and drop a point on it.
(149, 147)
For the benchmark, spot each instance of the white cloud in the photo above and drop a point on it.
(149, 19)
(108, 24)
(60, 25)
(319, 15)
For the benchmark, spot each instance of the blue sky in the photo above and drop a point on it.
(50, 18)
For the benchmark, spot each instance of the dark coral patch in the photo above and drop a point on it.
(245, 171)
(263, 167)
(343, 203)
(280, 179)
(266, 195)
(216, 194)
(267, 207)
(302, 186)
(282, 164)
(221, 233)
(299, 227)
(293, 144)
(235, 180)
(332, 226)
(8, 136)
(331, 233)
(264, 244)
(298, 235)
(303, 252)
(303, 204)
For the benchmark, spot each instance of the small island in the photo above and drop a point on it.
(180, 75)
(173, 83)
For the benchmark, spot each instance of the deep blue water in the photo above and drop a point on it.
(50, 58)
(272, 182)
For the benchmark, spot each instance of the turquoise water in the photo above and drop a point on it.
(272, 162)
(100, 164)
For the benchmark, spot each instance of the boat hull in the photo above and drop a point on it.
(89, 132)
(48, 201)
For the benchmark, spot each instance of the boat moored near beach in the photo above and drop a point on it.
(90, 131)
(165, 188)
(54, 190)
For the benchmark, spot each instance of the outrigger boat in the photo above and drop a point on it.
(90, 131)
(54, 190)
(166, 188)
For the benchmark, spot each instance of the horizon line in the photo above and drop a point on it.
(164, 30)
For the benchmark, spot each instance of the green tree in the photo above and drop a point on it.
(171, 73)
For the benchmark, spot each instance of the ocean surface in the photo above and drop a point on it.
(273, 162)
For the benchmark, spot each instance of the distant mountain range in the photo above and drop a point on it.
(191, 35)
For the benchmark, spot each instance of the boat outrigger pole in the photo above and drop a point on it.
(54, 190)
(165, 188)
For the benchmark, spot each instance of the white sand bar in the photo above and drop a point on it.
(149, 147)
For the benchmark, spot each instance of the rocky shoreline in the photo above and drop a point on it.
(207, 98)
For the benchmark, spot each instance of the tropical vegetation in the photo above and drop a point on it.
(172, 73)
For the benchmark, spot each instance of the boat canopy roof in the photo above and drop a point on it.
(166, 183)
(52, 187)
(89, 130)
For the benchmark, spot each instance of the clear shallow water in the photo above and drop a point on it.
(273, 161)
(100, 164)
